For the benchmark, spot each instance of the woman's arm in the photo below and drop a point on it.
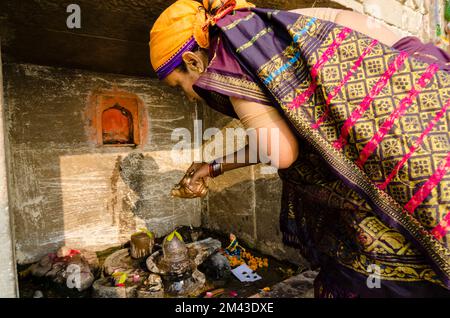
(282, 147)
(281, 144)
(355, 21)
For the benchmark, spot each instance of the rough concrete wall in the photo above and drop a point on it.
(8, 286)
(64, 188)
(406, 17)
(113, 37)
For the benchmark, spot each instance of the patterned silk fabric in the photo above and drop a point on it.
(379, 119)
(329, 222)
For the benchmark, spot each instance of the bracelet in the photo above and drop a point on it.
(215, 169)
(210, 170)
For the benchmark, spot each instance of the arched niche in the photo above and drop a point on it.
(118, 118)
(117, 126)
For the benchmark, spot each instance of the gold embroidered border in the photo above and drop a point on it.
(396, 271)
(235, 85)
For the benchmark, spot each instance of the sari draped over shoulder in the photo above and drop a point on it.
(370, 191)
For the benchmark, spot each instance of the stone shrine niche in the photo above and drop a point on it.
(117, 126)
(117, 118)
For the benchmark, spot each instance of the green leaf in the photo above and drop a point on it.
(172, 235)
(179, 236)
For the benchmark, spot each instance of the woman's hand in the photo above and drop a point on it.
(198, 171)
(193, 184)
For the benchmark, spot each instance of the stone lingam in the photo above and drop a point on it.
(177, 264)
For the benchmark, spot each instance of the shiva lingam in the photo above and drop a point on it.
(177, 264)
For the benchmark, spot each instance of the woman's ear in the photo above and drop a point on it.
(193, 62)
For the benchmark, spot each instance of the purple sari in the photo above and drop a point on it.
(348, 98)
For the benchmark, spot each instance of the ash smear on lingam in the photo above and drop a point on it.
(187, 263)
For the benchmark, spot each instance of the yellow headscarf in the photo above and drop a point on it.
(182, 23)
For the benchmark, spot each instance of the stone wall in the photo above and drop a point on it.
(64, 187)
(406, 17)
(8, 285)
(113, 37)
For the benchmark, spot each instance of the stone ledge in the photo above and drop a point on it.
(300, 286)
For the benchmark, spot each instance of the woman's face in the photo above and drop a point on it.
(185, 79)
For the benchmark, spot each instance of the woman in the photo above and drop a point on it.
(363, 134)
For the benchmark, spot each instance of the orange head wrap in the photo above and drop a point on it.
(182, 27)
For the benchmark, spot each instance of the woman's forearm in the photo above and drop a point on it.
(275, 143)
(241, 158)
